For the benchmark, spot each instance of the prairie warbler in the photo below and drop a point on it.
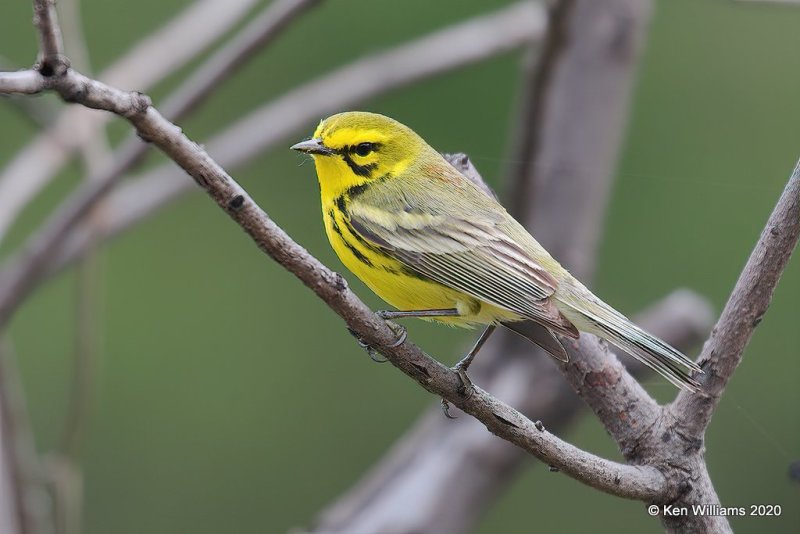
(434, 245)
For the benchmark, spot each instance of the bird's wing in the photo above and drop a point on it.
(462, 246)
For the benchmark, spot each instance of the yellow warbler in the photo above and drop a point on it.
(432, 244)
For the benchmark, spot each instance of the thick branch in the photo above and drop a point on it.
(744, 311)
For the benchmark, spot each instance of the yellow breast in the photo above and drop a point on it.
(399, 286)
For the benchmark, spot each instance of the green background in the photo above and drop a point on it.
(229, 399)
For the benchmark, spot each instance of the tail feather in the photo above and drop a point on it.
(669, 362)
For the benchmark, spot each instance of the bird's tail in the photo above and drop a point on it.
(591, 314)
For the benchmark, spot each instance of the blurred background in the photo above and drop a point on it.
(228, 398)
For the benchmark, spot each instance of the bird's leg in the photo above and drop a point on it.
(461, 366)
(402, 314)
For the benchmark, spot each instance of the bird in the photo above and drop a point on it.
(434, 245)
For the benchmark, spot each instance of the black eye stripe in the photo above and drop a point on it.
(360, 170)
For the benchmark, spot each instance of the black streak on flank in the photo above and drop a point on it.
(362, 231)
(341, 203)
(356, 190)
(357, 253)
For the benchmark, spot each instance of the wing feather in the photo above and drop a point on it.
(475, 257)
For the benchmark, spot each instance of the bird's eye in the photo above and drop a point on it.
(362, 149)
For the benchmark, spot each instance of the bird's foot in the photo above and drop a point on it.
(446, 409)
(401, 331)
(373, 351)
(466, 388)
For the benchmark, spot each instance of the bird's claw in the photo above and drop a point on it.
(465, 389)
(374, 356)
(401, 332)
(360, 340)
(446, 409)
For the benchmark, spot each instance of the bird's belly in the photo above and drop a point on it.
(403, 288)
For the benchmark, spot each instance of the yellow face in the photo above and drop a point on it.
(353, 148)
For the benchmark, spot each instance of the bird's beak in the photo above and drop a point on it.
(313, 146)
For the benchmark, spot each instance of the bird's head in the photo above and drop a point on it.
(353, 148)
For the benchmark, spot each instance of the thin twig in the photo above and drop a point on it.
(744, 310)
(40, 112)
(147, 62)
(23, 82)
(50, 43)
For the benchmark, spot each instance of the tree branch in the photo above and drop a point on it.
(50, 42)
(442, 475)
(23, 82)
(744, 311)
(192, 92)
(40, 112)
